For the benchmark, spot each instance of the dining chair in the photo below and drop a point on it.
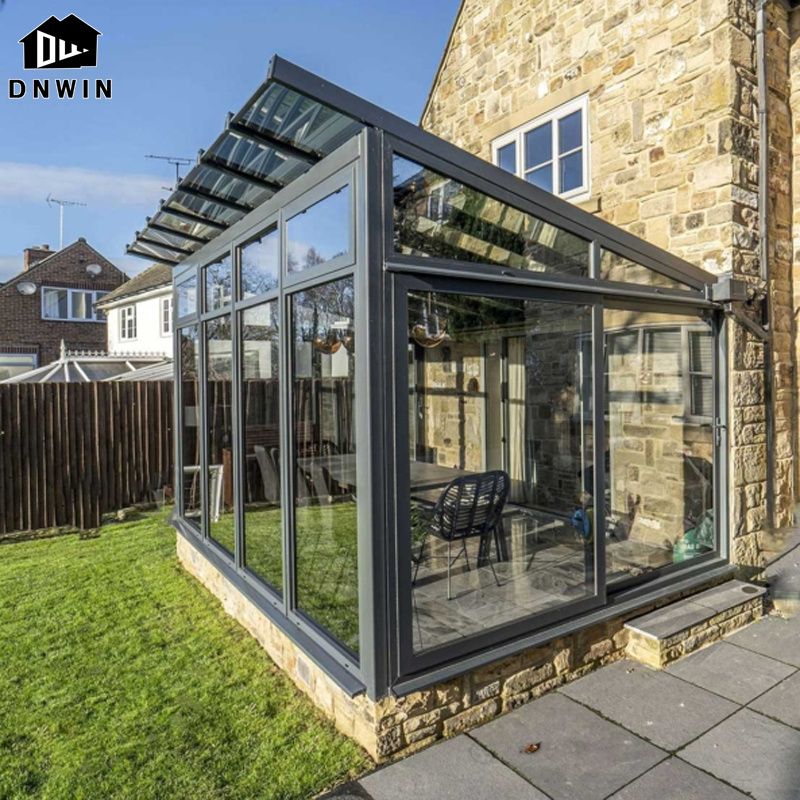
(470, 506)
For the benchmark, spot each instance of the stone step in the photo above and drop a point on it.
(660, 637)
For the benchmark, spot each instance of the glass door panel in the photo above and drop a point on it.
(501, 478)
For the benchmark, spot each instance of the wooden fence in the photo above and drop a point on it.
(70, 452)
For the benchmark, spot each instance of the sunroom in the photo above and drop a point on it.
(429, 416)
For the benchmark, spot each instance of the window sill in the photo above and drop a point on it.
(590, 204)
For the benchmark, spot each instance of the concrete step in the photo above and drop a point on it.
(660, 637)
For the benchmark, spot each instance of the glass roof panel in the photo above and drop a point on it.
(218, 183)
(614, 267)
(171, 239)
(184, 226)
(155, 252)
(292, 117)
(436, 216)
(205, 208)
(260, 159)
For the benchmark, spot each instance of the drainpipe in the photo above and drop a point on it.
(763, 247)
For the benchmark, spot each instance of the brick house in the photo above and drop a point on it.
(647, 114)
(51, 300)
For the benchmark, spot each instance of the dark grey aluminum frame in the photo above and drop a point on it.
(382, 277)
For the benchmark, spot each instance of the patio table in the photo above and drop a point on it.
(342, 468)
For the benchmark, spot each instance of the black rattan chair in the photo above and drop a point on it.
(471, 506)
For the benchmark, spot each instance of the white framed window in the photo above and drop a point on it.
(551, 151)
(166, 316)
(127, 322)
(71, 305)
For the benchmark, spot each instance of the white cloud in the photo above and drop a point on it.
(24, 183)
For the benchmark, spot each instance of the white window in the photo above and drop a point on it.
(127, 322)
(71, 305)
(551, 151)
(166, 316)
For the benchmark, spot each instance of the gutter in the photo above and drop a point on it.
(763, 249)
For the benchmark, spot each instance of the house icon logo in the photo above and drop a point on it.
(69, 43)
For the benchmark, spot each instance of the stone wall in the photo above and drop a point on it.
(674, 159)
(393, 726)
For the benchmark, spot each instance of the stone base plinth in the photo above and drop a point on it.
(396, 726)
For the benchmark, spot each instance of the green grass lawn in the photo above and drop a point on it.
(122, 677)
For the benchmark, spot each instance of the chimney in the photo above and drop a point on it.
(33, 255)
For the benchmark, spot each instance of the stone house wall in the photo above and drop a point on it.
(674, 159)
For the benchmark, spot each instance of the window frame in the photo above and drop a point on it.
(97, 294)
(128, 322)
(553, 117)
(166, 309)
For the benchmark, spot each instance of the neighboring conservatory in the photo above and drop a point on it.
(432, 419)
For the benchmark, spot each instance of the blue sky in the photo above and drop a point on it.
(177, 68)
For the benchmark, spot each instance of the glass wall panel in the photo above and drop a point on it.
(187, 296)
(219, 477)
(218, 283)
(614, 267)
(320, 233)
(189, 366)
(261, 447)
(260, 262)
(660, 441)
(325, 488)
(440, 217)
(500, 452)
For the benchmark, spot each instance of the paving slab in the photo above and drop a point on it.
(582, 756)
(657, 706)
(782, 702)
(774, 637)
(738, 674)
(453, 770)
(755, 754)
(676, 780)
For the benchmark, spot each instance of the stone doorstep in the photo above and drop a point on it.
(669, 633)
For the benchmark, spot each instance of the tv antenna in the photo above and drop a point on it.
(177, 162)
(54, 201)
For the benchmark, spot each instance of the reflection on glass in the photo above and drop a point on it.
(501, 502)
(538, 146)
(325, 496)
(616, 268)
(320, 233)
(659, 459)
(260, 264)
(569, 132)
(189, 367)
(261, 446)
(219, 477)
(218, 283)
(439, 217)
(187, 296)
(507, 157)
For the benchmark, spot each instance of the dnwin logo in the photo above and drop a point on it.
(69, 43)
